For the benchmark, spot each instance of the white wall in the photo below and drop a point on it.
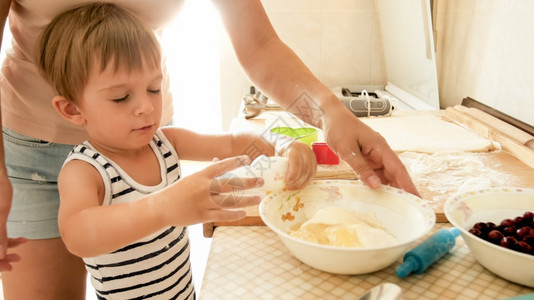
(339, 40)
(485, 50)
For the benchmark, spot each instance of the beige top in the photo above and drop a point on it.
(26, 97)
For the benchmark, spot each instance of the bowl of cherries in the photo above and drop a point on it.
(497, 225)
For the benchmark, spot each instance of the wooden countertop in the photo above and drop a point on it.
(437, 176)
(251, 261)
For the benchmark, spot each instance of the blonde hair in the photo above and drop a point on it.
(78, 39)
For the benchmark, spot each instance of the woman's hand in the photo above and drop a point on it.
(302, 165)
(8, 258)
(6, 193)
(277, 71)
(366, 151)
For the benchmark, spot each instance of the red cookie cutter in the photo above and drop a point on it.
(324, 155)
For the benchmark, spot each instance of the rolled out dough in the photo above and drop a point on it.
(427, 134)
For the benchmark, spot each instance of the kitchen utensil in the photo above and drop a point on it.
(364, 104)
(306, 135)
(255, 103)
(323, 154)
(384, 291)
(493, 205)
(403, 215)
(421, 257)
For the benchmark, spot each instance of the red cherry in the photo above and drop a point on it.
(495, 236)
(507, 222)
(515, 234)
(529, 239)
(524, 247)
(483, 227)
(509, 230)
(509, 242)
(475, 231)
(528, 216)
(520, 222)
(522, 232)
(491, 226)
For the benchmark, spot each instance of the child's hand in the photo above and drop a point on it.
(205, 197)
(302, 165)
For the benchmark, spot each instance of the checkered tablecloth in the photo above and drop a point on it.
(250, 262)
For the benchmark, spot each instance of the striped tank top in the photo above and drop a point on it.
(156, 266)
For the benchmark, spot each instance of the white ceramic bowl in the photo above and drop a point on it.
(493, 205)
(404, 215)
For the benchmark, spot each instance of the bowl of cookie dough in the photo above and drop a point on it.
(344, 227)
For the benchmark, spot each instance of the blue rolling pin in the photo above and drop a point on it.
(421, 257)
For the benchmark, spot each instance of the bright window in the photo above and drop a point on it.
(192, 44)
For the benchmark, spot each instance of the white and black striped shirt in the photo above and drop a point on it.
(156, 266)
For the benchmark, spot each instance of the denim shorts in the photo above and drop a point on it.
(33, 166)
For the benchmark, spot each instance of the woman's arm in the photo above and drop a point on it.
(268, 62)
(277, 71)
(6, 190)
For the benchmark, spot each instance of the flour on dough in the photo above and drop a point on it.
(448, 173)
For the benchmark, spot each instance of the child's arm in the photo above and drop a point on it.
(89, 229)
(194, 146)
(204, 147)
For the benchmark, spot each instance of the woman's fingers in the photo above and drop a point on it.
(6, 262)
(16, 241)
(357, 162)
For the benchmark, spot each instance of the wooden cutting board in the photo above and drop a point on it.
(502, 169)
(437, 176)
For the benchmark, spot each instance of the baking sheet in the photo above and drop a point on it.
(427, 133)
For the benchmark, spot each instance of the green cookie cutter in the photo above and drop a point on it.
(306, 135)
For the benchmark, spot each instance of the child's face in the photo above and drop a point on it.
(122, 109)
